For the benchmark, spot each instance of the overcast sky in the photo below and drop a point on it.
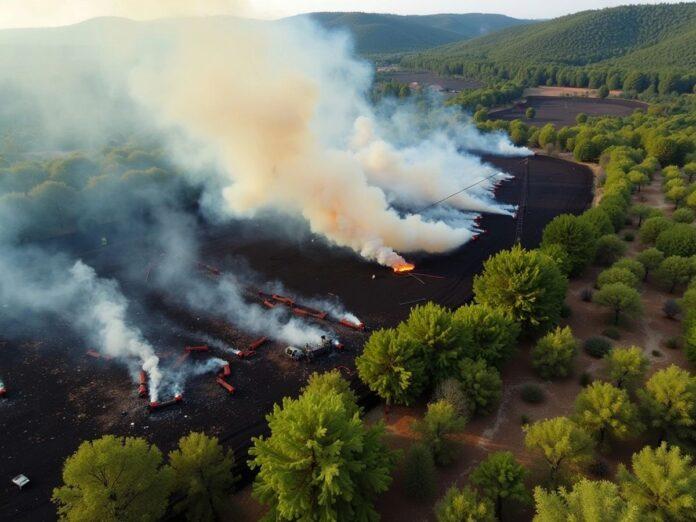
(35, 13)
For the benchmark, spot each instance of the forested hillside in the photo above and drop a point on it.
(649, 37)
(385, 33)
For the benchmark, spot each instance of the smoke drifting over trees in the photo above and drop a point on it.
(144, 125)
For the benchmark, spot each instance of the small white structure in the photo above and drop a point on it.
(20, 481)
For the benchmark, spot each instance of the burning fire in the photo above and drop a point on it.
(403, 267)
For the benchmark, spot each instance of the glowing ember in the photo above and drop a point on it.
(403, 267)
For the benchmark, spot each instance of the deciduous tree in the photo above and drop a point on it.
(650, 259)
(576, 236)
(114, 480)
(487, 333)
(481, 384)
(439, 422)
(501, 478)
(464, 504)
(619, 298)
(605, 410)
(553, 354)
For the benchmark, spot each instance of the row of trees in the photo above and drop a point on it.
(125, 479)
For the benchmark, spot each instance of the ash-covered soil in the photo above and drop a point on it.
(58, 396)
(562, 110)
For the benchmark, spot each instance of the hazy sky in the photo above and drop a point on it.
(33, 13)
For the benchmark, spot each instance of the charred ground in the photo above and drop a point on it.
(59, 397)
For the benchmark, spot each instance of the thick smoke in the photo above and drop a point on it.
(237, 117)
(282, 109)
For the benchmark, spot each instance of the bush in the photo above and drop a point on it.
(553, 354)
(617, 275)
(634, 266)
(629, 236)
(598, 468)
(530, 113)
(683, 215)
(612, 333)
(597, 347)
(586, 295)
(656, 353)
(609, 249)
(419, 473)
(671, 308)
(450, 390)
(673, 343)
(532, 394)
(678, 240)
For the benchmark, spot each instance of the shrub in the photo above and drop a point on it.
(631, 264)
(532, 394)
(598, 468)
(609, 249)
(612, 333)
(524, 419)
(419, 473)
(656, 353)
(683, 215)
(435, 428)
(678, 240)
(629, 236)
(530, 113)
(671, 308)
(450, 390)
(653, 227)
(553, 354)
(586, 295)
(672, 343)
(597, 347)
(481, 384)
(617, 275)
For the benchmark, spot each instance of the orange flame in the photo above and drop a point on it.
(403, 267)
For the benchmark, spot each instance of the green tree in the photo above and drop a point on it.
(501, 478)
(603, 91)
(114, 479)
(676, 195)
(525, 283)
(683, 215)
(547, 135)
(553, 354)
(202, 476)
(530, 113)
(605, 410)
(615, 275)
(678, 240)
(587, 501)
(430, 325)
(640, 211)
(581, 118)
(585, 149)
(320, 462)
(638, 179)
(393, 366)
(675, 270)
(419, 473)
(633, 266)
(488, 333)
(653, 227)
(481, 384)
(669, 402)
(575, 236)
(620, 299)
(664, 149)
(662, 485)
(560, 441)
(599, 220)
(440, 421)
(635, 81)
(626, 366)
(651, 258)
(464, 504)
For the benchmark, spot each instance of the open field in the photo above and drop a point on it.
(59, 396)
(562, 111)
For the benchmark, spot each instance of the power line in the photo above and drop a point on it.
(458, 192)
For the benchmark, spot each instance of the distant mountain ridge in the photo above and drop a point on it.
(644, 36)
(376, 33)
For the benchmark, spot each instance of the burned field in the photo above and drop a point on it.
(58, 395)
(562, 111)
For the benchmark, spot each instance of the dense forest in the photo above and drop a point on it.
(586, 49)
(386, 33)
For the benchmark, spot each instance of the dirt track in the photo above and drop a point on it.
(561, 111)
(59, 396)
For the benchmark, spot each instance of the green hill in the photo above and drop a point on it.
(645, 36)
(385, 33)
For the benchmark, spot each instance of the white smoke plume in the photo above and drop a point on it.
(277, 107)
